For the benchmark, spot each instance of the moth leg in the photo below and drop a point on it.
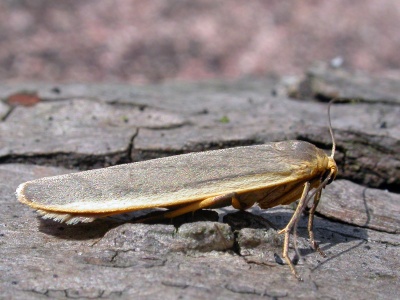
(311, 224)
(238, 203)
(289, 228)
(206, 203)
(218, 201)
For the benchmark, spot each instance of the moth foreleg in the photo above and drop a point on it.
(290, 226)
(311, 224)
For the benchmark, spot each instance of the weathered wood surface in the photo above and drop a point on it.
(83, 127)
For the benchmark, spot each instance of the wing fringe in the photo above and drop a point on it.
(70, 219)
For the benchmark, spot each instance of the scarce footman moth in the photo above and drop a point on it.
(269, 175)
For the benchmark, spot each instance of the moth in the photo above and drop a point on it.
(271, 174)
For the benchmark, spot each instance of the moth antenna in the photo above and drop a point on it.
(330, 126)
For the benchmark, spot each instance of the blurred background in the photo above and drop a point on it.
(136, 41)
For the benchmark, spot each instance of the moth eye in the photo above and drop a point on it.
(325, 175)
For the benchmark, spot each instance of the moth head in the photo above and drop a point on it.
(330, 172)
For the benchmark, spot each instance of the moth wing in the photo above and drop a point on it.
(169, 181)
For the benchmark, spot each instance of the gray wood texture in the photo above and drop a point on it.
(235, 255)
